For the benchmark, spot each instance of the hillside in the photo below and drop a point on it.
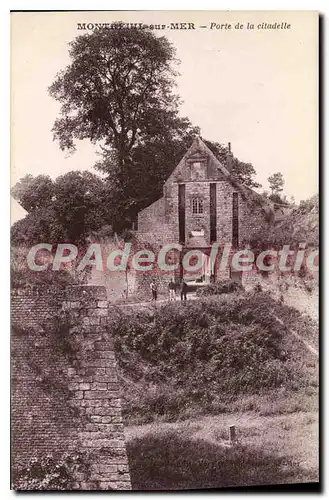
(188, 372)
(212, 356)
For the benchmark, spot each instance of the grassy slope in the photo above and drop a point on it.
(186, 446)
(222, 354)
(197, 454)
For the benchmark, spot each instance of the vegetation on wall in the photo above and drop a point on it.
(51, 473)
(54, 351)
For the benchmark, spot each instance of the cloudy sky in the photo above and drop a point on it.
(255, 88)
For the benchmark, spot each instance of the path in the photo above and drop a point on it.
(295, 334)
(150, 303)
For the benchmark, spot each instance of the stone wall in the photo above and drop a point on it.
(151, 215)
(65, 392)
(158, 223)
(155, 226)
(253, 220)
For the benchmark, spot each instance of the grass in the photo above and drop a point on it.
(197, 455)
(185, 443)
(278, 402)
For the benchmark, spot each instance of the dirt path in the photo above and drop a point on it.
(150, 303)
(298, 337)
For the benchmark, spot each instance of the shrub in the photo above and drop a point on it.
(225, 286)
(49, 472)
(179, 361)
(21, 275)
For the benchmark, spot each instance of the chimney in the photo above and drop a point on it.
(229, 158)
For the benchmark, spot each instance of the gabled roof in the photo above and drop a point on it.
(199, 147)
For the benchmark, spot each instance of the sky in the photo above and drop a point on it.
(255, 88)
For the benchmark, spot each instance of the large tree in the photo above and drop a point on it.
(118, 81)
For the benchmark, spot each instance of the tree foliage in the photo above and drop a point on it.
(33, 192)
(276, 183)
(242, 172)
(309, 205)
(117, 84)
(301, 225)
(73, 205)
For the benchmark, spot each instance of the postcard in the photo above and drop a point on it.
(164, 250)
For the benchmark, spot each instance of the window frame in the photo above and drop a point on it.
(197, 205)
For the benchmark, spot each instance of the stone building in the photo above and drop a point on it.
(202, 204)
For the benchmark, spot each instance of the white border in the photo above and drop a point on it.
(5, 7)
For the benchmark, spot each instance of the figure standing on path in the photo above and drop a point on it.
(183, 292)
(154, 290)
(172, 290)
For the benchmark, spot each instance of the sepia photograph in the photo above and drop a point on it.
(164, 250)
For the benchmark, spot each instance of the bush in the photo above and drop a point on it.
(22, 276)
(179, 361)
(225, 286)
(49, 473)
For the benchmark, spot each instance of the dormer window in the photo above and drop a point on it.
(197, 206)
(197, 170)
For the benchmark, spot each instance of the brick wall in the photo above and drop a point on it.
(67, 400)
(35, 432)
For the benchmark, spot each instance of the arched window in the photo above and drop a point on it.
(197, 206)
